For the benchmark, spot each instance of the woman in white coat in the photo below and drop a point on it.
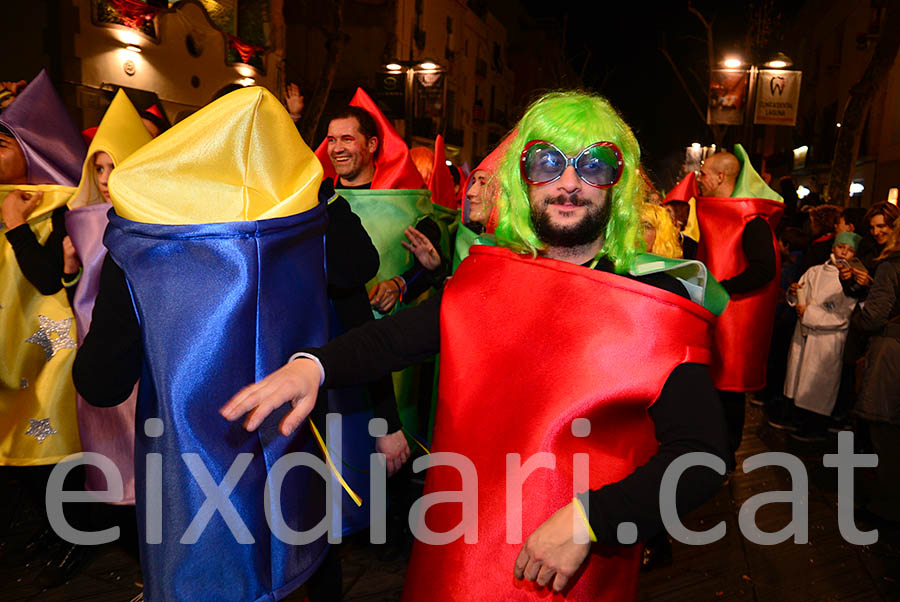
(814, 363)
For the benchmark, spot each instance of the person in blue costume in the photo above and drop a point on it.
(222, 287)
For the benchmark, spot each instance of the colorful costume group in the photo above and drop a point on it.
(219, 231)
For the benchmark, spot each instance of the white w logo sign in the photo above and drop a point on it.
(776, 84)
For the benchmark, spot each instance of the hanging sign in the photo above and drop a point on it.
(777, 97)
(727, 96)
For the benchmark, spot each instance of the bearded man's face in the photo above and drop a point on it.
(568, 212)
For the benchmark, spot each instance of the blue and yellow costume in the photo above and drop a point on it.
(219, 232)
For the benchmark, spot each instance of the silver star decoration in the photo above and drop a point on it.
(48, 327)
(40, 429)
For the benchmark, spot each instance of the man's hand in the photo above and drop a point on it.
(17, 206)
(421, 247)
(862, 277)
(395, 450)
(296, 382)
(71, 262)
(551, 553)
(293, 100)
(385, 295)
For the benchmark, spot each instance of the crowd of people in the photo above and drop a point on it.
(217, 290)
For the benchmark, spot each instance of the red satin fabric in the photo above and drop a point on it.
(155, 110)
(440, 183)
(744, 330)
(528, 345)
(685, 190)
(394, 170)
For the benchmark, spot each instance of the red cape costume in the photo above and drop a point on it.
(744, 330)
(393, 168)
(685, 190)
(518, 390)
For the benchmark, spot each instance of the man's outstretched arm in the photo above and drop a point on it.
(357, 357)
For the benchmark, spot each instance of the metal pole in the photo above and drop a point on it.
(751, 109)
(410, 77)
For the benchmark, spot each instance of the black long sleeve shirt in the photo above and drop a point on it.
(756, 241)
(42, 265)
(687, 416)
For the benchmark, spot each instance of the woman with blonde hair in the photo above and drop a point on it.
(661, 237)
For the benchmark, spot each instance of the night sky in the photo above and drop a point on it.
(627, 66)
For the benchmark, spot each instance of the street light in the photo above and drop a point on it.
(428, 73)
(776, 63)
(779, 61)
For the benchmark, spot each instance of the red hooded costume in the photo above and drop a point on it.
(393, 168)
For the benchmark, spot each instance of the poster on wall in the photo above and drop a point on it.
(777, 96)
(727, 96)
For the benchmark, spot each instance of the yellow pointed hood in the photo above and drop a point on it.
(120, 133)
(239, 158)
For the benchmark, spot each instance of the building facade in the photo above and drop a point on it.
(833, 42)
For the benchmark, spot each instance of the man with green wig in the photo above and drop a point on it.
(565, 397)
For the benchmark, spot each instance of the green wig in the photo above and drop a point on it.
(572, 121)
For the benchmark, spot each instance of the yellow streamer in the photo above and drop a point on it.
(353, 495)
(583, 515)
(420, 445)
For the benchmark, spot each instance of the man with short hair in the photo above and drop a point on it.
(737, 213)
(352, 142)
(718, 175)
(571, 332)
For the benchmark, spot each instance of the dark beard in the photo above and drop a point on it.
(583, 233)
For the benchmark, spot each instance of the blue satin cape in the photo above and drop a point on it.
(221, 306)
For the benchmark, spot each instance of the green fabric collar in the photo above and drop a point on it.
(703, 288)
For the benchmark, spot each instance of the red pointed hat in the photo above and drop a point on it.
(89, 134)
(393, 167)
(441, 182)
(685, 190)
(154, 109)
